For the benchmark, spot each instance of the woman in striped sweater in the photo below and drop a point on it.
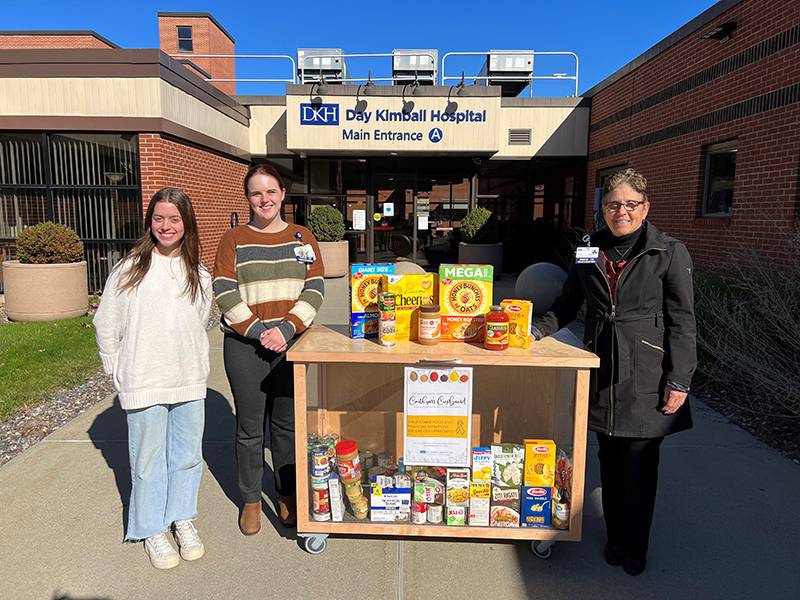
(268, 290)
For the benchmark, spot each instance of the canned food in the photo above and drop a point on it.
(321, 502)
(319, 483)
(434, 513)
(320, 460)
(419, 512)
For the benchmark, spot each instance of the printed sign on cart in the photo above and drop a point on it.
(437, 424)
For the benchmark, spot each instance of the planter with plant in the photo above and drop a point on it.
(48, 280)
(327, 225)
(480, 240)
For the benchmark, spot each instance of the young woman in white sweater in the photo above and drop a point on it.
(152, 338)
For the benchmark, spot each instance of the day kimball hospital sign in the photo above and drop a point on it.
(432, 125)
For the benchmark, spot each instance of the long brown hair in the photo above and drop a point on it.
(140, 255)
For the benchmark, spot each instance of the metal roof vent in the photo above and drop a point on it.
(510, 69)
(519, 137)
(415, 65)
(314, 64)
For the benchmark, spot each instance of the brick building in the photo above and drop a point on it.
(89, 131)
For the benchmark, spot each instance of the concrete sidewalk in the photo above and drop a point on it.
(726, 527)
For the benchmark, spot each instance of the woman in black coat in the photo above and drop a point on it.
(637, 284)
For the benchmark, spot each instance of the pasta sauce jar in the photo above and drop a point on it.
(430, 324)
(497, 327)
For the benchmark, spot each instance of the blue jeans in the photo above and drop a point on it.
(165, 446)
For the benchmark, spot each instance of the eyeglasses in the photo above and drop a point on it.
(630, 205)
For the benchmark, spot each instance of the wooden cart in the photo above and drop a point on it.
(355, 388)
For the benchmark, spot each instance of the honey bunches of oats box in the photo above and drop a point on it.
(411, 291)
(465, 296)
(364, 284)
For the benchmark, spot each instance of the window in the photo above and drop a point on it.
(185, 39)
(719, 176)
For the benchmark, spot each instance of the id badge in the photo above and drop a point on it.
(586, 254)
(305, 254)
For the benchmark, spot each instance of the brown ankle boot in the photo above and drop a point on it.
(250, 519)
(287, 510)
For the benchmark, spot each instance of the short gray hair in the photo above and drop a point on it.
(630, 176)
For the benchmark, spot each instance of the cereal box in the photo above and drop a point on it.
(504, 511)
(480, 497)
(412, 291)
(465, 296)
(364, 282)
(540, 463)
(520, 313)
(388, 503)
(457, 487)
(508, 460)
(482, 464)
(535, 510)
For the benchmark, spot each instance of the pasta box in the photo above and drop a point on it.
(536, 506)
(519, 313)
(540, 463)
(364, 284)
(465, 296)
(505, 503)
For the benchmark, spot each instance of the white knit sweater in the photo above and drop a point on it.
(153, 339)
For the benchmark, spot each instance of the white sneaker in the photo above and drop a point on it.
(188, 539)
(162, 554)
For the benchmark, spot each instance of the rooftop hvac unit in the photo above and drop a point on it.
(511, 70)
(415, 65)
(314, 64)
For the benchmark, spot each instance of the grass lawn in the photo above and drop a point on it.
(36, 358)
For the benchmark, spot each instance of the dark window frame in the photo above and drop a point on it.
(710, 151)
(183, 39)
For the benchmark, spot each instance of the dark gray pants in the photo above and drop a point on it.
(263, 392)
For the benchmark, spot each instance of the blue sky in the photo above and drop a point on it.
(605, 34)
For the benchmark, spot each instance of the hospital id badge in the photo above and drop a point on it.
(305, 254)
(586, 254)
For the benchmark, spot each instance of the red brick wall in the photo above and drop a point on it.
(766, 192)
(212, 181)
(207, 38)
(25, 42)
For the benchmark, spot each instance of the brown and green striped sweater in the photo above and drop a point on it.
(260, 284)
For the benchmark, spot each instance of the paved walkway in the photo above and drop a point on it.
(726, 527)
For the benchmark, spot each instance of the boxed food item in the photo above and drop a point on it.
(482, 464)
(536, 506)
(456, 515)
(465, 296)
(520, 313)
(411, 291)
(480, 498)
(504, 511)
(388, 503)
(540, 463)
(364, 283)
(336, 497)
(507, 463)
(429, 485)
(457, 487)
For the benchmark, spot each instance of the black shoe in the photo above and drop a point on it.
(613, 554)
(634, 566)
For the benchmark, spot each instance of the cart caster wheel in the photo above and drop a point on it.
(315, 544)
(542, 549)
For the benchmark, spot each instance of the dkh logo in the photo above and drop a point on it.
(319, 114)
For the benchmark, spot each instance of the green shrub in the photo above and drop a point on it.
(48, 243)
(480, 227)
(326, 223)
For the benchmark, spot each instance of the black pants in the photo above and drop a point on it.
(263, 393)
(629, 476)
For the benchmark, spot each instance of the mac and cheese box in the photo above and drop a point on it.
(411, 291)
(364, 283)
(465, 296)
(520, 313)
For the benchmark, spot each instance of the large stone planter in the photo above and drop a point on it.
(45, 292)
(482, 254)
(335, 257)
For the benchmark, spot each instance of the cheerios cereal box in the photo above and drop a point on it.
(540, 463)
(364, 283)
(520, 313)
(465, 296)
(411, 291)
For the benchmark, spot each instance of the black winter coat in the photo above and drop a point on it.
(644, 337)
